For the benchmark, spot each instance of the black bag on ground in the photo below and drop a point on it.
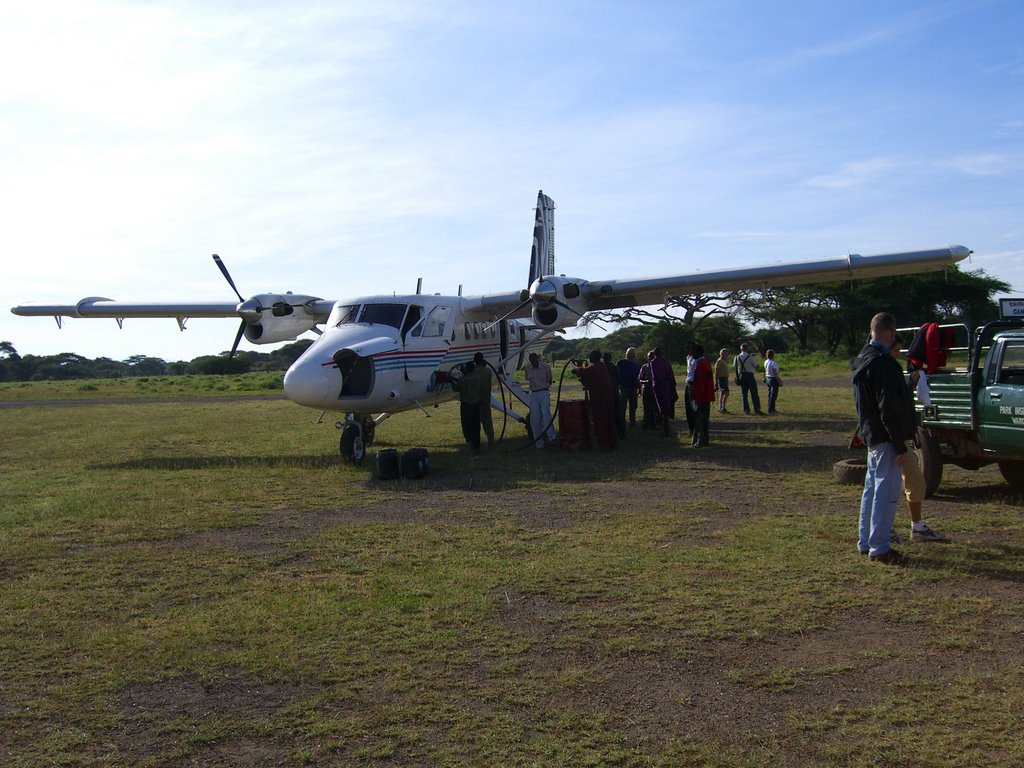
(414, 463)
(387, 464)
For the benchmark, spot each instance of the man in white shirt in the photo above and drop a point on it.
(746, 367)
(538, 376)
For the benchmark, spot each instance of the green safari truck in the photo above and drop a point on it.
(977, 412)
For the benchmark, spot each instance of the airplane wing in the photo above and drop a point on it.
(558, 301)
(265, 319)
(612, 294)
(96, 306)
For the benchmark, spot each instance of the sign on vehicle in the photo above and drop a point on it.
(1011, 309)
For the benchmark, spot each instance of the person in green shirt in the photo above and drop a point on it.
(484, 372)
(468, 387)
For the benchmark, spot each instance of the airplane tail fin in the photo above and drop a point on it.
(542, 256)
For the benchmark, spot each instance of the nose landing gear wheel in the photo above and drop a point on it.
(369, 430)
(352, 447)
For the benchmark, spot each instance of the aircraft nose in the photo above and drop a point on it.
(308, 382)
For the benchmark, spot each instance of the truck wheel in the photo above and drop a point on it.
(929, 456)
(1013, 473)
(850, 471)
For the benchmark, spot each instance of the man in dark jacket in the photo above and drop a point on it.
(886, 416)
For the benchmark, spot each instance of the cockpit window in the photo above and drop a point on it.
(343, 314)
(384, 314)
(412, 317)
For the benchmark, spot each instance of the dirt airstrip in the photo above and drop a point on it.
(655, 697)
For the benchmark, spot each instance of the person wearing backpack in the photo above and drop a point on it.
(746, 367)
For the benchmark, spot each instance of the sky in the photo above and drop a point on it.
(339, 149)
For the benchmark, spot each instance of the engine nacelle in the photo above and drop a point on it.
(557, 301)
(270, 318)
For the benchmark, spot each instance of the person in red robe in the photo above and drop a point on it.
(598, 383)
(702, 395)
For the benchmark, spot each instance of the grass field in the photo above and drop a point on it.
(196, 581)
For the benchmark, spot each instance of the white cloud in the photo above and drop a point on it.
(854, 174)
(980, 165)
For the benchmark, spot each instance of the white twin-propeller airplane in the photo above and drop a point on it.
(379, 355)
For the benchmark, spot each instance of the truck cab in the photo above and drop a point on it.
(976, 416)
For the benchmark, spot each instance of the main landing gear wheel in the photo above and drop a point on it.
(352, 446)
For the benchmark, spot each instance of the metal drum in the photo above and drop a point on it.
(573, 425)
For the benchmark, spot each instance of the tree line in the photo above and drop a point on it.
(68, 365)
(827, 317)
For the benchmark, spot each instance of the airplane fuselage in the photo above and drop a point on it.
(393, 353)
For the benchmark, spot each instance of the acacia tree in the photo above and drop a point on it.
(688, 309)
(799, 309)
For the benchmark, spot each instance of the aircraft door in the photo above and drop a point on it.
(426, 343)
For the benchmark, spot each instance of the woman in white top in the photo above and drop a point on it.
(771, 378)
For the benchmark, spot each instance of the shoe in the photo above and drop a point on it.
(925, 534)
(896, 538)
(760, 413)
(863, 552)
(725, 410)
(747, 413)
(892, 557)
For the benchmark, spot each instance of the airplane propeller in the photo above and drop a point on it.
(241, 327)
(251, 310)
(544, 293)
(227, 276)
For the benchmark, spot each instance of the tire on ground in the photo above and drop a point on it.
(1013, 473)
(850, 471)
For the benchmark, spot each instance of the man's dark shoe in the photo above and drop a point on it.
(892, 557)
